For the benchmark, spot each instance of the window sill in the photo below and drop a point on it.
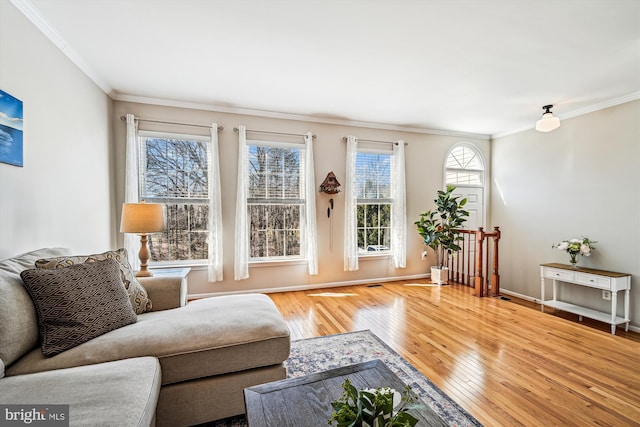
(273, 263)
(194, 265)
(373, 257)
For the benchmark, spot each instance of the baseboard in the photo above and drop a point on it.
(521, 296)
(537, 301)
(309, 287)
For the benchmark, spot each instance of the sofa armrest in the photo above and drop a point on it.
(165, 292)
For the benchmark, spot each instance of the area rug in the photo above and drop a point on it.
(313, 355)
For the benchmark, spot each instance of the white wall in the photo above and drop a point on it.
(424, 162)
(63, 194)
(579, 180)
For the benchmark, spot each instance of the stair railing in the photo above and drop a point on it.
(470, 265)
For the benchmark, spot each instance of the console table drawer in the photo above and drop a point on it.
(557, 274)
(593, 281)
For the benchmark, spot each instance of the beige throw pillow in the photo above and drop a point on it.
(137, 293)
(77, 303)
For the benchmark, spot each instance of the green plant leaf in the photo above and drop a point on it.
(404, 419)
(437, 227)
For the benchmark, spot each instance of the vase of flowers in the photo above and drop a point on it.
(575, 247)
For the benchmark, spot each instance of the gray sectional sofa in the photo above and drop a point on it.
(176, 365)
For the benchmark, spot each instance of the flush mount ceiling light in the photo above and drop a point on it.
(547, 123)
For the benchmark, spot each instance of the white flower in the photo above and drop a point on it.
(424, 254)
(576, 246)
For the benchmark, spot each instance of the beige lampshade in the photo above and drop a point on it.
(141, 218)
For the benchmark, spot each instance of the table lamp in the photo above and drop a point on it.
(142, 218)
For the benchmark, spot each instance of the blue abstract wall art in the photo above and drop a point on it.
(11, 124)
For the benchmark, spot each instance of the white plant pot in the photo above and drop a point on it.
(439, 276)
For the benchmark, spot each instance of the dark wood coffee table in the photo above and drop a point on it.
(306, 401)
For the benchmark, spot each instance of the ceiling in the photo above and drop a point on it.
(472, 66)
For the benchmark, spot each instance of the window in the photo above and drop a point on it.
(464, 166)
(373, 202)
(375, 218)
(174, 171)
(275, 200)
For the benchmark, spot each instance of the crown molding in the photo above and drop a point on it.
(634, 96)
(513, 131)
(289, 116)
(602, 105)
(31, 12)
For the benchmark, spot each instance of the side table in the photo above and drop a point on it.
(176, 272)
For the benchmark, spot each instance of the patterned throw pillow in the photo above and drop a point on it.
(137, 293)
(77, 303)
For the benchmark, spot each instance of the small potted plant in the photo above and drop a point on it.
(381, 407)
(438, 229)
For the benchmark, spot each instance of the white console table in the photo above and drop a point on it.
(599, 279)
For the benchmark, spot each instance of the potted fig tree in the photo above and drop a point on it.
(438, 229)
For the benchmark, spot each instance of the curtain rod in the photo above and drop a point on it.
(274, 133)
(344, 138)
(124, 119)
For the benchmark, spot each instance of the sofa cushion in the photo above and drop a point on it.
(122, 393)
(137, 294)
(18, 319)
(78, 303)
(206, 337)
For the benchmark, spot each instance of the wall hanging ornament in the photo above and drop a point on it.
(330, 185)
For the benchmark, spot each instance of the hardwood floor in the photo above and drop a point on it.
(505, 362)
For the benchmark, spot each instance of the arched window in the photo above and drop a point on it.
(464, 166)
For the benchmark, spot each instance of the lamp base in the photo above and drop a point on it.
(144, 273)
(144, 257)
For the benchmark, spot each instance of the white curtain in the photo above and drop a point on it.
(350, 216)
(132, 241)
(241, 266)
(310, 208)
(399, 208)
(215, 210)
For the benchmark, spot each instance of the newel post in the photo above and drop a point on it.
(479, 279)
(495, 277)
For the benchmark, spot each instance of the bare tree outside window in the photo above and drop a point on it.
(374, 198)
(275, 201)
(174, 172)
